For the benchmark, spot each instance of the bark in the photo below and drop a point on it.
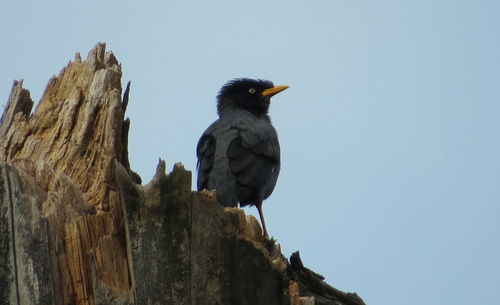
(77, 227)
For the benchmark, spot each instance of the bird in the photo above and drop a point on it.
(239, 154)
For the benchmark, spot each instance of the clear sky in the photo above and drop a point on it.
(390, 181)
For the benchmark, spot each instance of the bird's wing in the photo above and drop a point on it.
(205, 151)
(254, 159)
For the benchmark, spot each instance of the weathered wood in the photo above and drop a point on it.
(62, 158)
(23, 233)
(77, 227)
(312, 284)
(193, 248)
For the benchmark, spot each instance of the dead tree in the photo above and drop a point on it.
(77, 226)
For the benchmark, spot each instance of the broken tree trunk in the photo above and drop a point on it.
(77, 227)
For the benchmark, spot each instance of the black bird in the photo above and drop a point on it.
(239, 154)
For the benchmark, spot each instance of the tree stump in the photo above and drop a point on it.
(77, 227)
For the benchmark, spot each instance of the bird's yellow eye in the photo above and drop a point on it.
(251, 90)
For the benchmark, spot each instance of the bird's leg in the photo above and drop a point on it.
(258, 204)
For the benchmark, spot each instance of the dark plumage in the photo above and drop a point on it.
(239, 154)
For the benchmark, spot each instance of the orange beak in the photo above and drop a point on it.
(274, 90)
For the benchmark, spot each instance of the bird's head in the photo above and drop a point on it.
(253, 95)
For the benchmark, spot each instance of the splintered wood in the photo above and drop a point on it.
(63, 159)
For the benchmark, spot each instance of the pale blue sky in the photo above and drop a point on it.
(390, 184)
